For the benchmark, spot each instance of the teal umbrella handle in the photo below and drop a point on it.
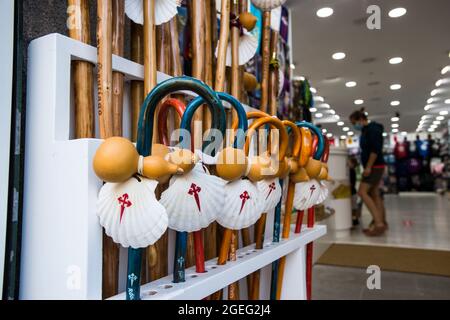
(144, 144)
(321, 141)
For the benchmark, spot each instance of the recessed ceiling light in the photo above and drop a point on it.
(324, 130)
(319, 115)
(359, 101)
(395, 119)
(431, 100)
(319, 98)
(426, 116)
(395, 125)
(329, 135)
(350, 84)
(397, 12)
(338, 55)
(431, 130)
(350, 133)
(384, 134)
(324, 12)
(445, 70)
(313, 109)
(331, 111)
(396, 86)
(396, 60)
(427, 107)
(404, 133)
(440, 118)
(434, 92)
(437, 122)
(340, 123)
(337, 117)
(325, 105)
(394, 130)
(313, 90)
(395, 103)
(345, 129)
(343, 137)
(292, 66)
(439, 82)
(447, 101)
(443, 113)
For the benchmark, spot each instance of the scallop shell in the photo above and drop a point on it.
(243, 205)
(266, 5)
(306, 194)
(130, 213)
(275, 19)
(270, 191)
(248, 45)
(323, 192)
(193, 200)
(165, 10)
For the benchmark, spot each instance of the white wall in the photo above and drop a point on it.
(6, 69)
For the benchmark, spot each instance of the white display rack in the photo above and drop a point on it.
(62, 238)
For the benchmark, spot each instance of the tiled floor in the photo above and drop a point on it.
(415, 221)
(340, 283)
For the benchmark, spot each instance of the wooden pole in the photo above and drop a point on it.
(265, 61)
(83, 79)
(223, 44)
(104, 82)
(136, 87)
(104, 44)
(118, 37)
(150, 65)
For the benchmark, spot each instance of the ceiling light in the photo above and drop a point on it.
(313, 109)
(350, 84)
(394, 130)
(296, 78)
(447, 101)
(396, 60)
(397, 12)
(445, 70)
(434, 92)
(431, 100)
(440, 118)
(434, 126)
(340, 123)
(319, 115)
(319, 98)
(329, 135)
(359, 101)
(395, 119)
(337, 117)
(343, 137)
(443, 113)
(292, 66)
(404, 133)
(324, 12)
(345, 129)
(350, 133)
(313, 90)
(395, 125)
(427, 107)
(430, 130)
(338, 55)
(325, 105)
(437, 122)
(331, 111)
(395, 103)
(324, 130)
(384, 134)
(439, 82)
(396, 86)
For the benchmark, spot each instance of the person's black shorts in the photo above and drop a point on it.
(374, 178)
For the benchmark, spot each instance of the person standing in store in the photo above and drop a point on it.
(371, 145)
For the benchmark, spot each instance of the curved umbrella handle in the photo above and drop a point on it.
(305, 150)
(284, 137)
(326, 152)
(163, 113)
(295, 131)
(318, 133)
(145, 128)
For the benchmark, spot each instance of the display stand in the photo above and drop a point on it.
(62, 238)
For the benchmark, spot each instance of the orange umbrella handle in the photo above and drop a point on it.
(306, 148)
(175, 104)
(295, 131)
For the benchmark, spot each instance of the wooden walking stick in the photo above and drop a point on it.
(136, 87)
(105, 114)
(118, 37)
(82, 71)
(219, 84)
